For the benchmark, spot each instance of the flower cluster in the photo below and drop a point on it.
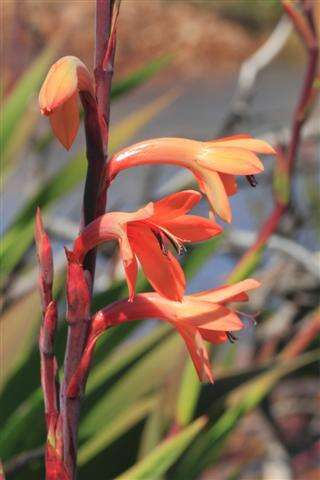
(150, 235)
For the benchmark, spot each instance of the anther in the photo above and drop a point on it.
(232, 338)
(252, 180)
(159, 237)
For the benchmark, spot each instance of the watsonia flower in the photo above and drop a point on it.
(214, 163)
(204, 316)
(145, 235)
(58, 97)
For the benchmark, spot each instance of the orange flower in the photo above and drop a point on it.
(214, 163)
(145, 234)
(58, 97)
(204, 316)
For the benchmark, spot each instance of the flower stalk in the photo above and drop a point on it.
(80, 281)
(304, 23)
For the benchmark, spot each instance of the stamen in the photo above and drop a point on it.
(252, 180)
(162, 235)
(232, 338)
(159, 236)
(177, 245)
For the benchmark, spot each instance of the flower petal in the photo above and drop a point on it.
(174, 151)
(245, 141)
(131, 271)
(65, 77)
(65, 121)
(212, 186)
(176, 204)
(197, 350)
(232, 160)
(163, 271)
(192, 228)
(227, 292)
(208, 315)
(229, 183)
(213, 337)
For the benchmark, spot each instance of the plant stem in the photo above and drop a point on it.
(96, 121)
(306, 100)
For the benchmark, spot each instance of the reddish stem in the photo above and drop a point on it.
(306, 334)
(96, 121)
(306, 29)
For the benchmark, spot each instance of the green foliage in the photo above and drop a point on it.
(16, 104)
(145, 415)
(158, 462)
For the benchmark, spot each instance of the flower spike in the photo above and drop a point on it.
(58, 97)
(146, 235)
(214, 163)
(204, 316)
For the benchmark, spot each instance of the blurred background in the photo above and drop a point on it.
(197, 69)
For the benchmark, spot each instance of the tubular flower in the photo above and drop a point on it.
(204, 316)
(145, 235)
(58, 97)
(214, 163)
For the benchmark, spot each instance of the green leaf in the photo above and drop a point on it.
(21, 428)
(144, 376)
(165, 455)
(188, 395)
(123, 358)
(139, 76)
(115, 428)
(238, 403)
(15, 105)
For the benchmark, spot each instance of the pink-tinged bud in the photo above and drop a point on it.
(44, 253)
(58, 97)
(78, 293)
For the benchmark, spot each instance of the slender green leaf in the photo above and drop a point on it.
(15, 105)
(153, 429)
(145, 375)
(115, 428)
(239, 402)
(188, 395)
(126, 356)
(164, 456)
(139, 76)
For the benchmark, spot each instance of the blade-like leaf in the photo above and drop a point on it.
(188, 395)
(139, 76)
(119, 425)
(18, 100)
(123, 358)
(15, 427)
(239, 402)
(164, 456)
(145, 375)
